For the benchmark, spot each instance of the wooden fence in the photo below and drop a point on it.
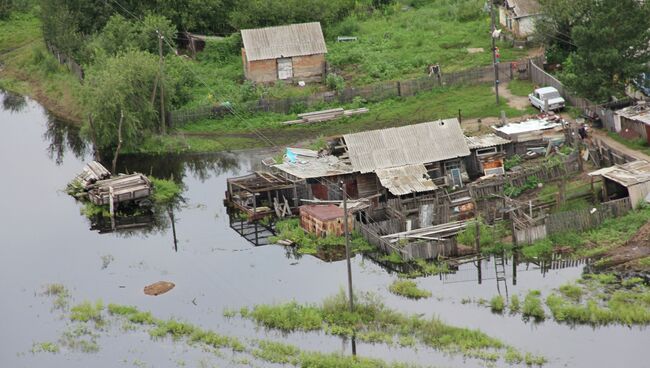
(577, 220)
(423, 249)
(604, 111)
(371, 93)
(64, 59)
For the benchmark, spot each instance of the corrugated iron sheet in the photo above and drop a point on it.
(406, 179)
(407, 145)
(283, 41)
(485, 141)
(628, 174)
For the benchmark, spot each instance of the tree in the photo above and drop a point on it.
(612, 45)
(121, 86)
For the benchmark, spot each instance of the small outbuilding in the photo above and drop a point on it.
(627, 180)
(324, 220)
(487, 155)
(518, 16)
(293, 52)
(633, 122)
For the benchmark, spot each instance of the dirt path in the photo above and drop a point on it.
(619, 146)
(627, 257)
(516, 102)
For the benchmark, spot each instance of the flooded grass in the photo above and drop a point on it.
(595, 299)
(61, 294)
(497, 304)
(373, 322)
(408, 289)
(165, 191)
(87, 311)
(45, 347)
(532, 307)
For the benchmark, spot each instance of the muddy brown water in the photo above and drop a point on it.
(46, 240)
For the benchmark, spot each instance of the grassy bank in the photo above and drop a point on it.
(311, 244)
(29, 69)
(245, 131)
(408, 289)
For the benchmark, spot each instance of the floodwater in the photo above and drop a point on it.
(46, 240)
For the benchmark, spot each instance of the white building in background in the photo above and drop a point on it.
(518, 16)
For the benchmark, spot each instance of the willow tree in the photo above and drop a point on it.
(118, 97)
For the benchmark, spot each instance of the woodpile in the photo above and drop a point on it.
(324, 115)
(122, 189)
(91, 173)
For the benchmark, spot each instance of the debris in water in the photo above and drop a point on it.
(158, 288)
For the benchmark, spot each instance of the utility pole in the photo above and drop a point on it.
(494, 51)
(163, 124)
(347, 243)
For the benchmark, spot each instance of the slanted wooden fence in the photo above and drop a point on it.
(577, 220)
(424, 249)
(66, 60)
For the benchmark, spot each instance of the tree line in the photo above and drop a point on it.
(600, 45)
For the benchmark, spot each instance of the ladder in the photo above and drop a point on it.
(500, 271)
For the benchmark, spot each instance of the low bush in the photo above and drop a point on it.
(409, 289)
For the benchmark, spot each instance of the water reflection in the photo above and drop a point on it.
(62, 137)
(201, 166)
(13, 102)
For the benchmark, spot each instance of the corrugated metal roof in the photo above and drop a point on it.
(485, 141)
(628, 174)
(524, 8)
(406, 179)
(309, 165)
(407, 145)
(283, 41)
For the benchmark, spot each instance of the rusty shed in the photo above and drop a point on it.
(294, 52)
(324, 220)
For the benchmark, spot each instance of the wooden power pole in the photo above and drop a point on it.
(163, 123)
(347, 244)
(494, 51)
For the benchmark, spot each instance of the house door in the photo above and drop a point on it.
(285, 68)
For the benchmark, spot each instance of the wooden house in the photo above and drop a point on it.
(518, 16)
(293, 52)
(324, 220)
(532, 135)
(487, 155)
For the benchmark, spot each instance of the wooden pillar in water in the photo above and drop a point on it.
(111, 206)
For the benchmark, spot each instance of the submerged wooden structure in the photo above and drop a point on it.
(91, 173)
(123, 188)
(261, 194)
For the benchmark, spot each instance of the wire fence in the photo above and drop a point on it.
(370, 93)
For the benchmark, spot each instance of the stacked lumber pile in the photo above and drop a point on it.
(122, 189)
(324, 115)
(91, 173)
(435, 232)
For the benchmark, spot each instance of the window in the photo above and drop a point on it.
(455, 164)
(486, 151)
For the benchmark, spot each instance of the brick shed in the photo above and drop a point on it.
(323, 220)
(293, 52)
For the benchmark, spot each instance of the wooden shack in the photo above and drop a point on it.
(324, 220)
(123, 188)
(532, 134)
(519, 16)
(627, 180)
(633, 122)
(487, 155)
(293, 52)
(260, 194)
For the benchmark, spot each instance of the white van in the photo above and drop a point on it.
(547, 95)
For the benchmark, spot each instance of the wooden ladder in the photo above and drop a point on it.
(500, 271)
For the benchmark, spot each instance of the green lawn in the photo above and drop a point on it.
(30, 69)
(233, 132)
(521, 87)
(395, 44)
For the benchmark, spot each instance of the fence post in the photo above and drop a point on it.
(399, 89)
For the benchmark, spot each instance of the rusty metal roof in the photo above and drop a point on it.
(628, 174)
(406, 179)
(407, 145)
(283, 41)
(485, 141)
(323, 212)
